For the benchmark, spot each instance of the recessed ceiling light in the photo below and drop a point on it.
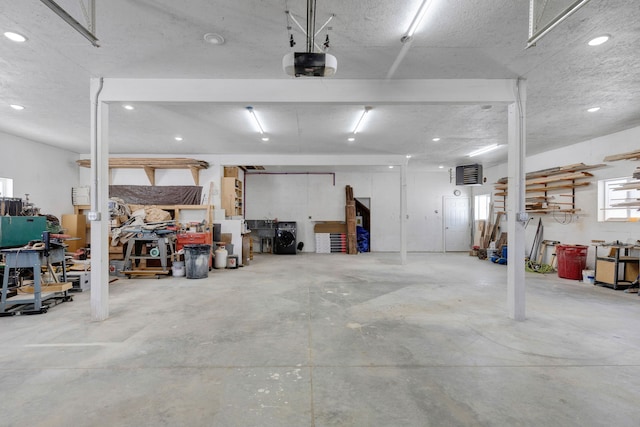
(265, 139)
(408, 156)
(178, 138)
(440, 167)
(593, 109)
(390, 166)
(436, 139)
(351, 139)
(128, 107)
(599, 40)
(214, 38)
(15, 37)
(16, 107)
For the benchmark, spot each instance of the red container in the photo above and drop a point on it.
(195, 239)
(572, 259)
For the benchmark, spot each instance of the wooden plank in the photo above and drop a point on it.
(550, 188)
(551, 210)
(632, 155)
(576, 167)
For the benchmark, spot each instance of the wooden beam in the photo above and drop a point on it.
(632, 155)
(151, 174)
(195, 172)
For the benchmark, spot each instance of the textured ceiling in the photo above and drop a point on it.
(50, 75)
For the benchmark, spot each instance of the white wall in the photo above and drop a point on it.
(307, 198)
(584, 226)
(46, 173)
(310, 198)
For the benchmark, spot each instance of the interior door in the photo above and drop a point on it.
(457, 226)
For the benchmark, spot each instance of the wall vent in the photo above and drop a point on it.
(469, 175)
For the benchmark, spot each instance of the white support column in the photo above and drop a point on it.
(516, 204)
(403, 213)
(99, 204)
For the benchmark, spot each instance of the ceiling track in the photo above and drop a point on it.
(90, 15)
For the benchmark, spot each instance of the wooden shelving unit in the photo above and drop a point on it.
(634, 185)
(232, 197)
(550, 190)
(151, 164)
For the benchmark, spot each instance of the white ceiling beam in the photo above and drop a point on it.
(303, 90)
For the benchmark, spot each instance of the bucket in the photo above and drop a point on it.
(572, 259)
(196, 259)
(177, 269)
(588, 276)
(232, 261)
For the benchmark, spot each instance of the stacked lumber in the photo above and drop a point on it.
(539, 183)
(150, 164)
(634, 185)
(350, 215)
(632, 155)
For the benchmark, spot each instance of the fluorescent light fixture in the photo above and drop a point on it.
(436, 139)
(252, 113)
(178, 138)
(359, 124)
(15, 37)
(408, 156)
(441, 167)
(351, 139)
(390, 166)
(17, 107)
(416, 21)
(597, 41)
(593, 109)
(265, 139)
(128, 107)
(483, 150)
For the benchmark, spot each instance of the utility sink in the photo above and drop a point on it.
(261, 227)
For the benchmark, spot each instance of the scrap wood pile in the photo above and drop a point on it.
(136, 219)
(489, 237)
(350, 216)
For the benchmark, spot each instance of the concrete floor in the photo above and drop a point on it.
(329, 340)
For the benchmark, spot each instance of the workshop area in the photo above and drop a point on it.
(319, 213)
(323, 339)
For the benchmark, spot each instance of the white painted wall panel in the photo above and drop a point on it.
(46, 173)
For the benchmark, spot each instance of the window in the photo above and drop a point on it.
(481, 206)
(616, 199)
(6, 187)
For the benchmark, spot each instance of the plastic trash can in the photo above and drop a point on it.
(572, 259)
(196, 259)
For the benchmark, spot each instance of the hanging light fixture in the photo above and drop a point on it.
(422, 11)
(252, 113)
(361, 119)
(484, 150)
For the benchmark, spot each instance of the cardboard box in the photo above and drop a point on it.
(330, 227)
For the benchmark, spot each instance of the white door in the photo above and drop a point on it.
(457, 227)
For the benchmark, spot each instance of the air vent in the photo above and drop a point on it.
(469, 175)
